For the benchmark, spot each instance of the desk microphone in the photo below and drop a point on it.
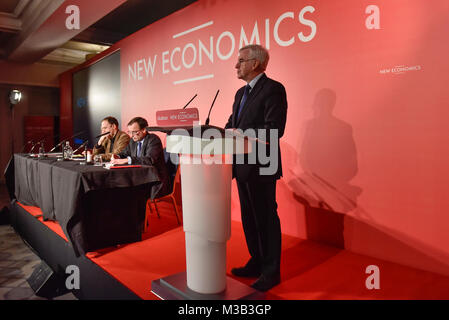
(207, 120)
(32, 142)
(60, 143)
(190, 101)
(35, 144)
(103, 134)
(82, 145)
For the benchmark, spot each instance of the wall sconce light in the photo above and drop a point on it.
(15, 96)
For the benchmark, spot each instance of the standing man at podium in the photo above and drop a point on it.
(260, 104)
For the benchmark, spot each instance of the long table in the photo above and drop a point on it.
(95, 207)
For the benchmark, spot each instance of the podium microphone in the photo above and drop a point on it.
(103, 134)
(207, 120)
(190, 101)
(60, 143)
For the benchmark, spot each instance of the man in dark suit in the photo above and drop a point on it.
(145, 149)
(261, 104)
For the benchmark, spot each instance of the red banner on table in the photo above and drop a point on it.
(177, 117)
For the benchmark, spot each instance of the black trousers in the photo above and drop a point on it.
(261, 224)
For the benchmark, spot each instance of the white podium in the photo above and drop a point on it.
(206, 173)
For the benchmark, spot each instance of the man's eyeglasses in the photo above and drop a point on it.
(132, 133)
(239, 61)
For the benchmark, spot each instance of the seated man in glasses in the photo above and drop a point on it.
(114, 140)
(145, 149)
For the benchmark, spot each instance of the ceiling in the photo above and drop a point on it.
(27, 34)
(130, 17)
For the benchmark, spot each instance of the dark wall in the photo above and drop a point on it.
(96, 95)
(36, 101)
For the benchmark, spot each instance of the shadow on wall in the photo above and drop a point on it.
(328, 158)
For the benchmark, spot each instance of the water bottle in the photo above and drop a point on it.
(67, 152)
(41, 150)
(64, 151)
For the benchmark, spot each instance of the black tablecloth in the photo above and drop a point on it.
(95, 207)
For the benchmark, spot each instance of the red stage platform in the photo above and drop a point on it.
(309, 270)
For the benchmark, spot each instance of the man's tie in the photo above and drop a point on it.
(139, 148)
(245, 96)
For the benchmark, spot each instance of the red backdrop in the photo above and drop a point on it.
(36, 129)
(366, 146)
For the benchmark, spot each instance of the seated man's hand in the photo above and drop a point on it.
(119, 161)
(101, 140)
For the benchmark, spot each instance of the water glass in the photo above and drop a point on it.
(98, 161)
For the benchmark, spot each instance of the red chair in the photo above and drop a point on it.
(170, 197)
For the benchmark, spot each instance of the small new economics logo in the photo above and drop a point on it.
(400, 69)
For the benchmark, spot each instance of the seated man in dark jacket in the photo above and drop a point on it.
(146, 149)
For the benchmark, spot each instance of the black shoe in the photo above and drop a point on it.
(265, 283)
(245, 272)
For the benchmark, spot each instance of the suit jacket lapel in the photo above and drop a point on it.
(235, 108)
(134, 149)
(254, 92)
(144, 145)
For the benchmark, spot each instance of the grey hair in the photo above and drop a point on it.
(259, 53)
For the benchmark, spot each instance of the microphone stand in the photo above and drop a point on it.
(60, 143)
(33, 146)
(190, 101)
(210, 109)
(82, 145)
(27, 143)
(11, 106)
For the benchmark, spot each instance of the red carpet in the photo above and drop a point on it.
(309, 270)
(54, 226)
